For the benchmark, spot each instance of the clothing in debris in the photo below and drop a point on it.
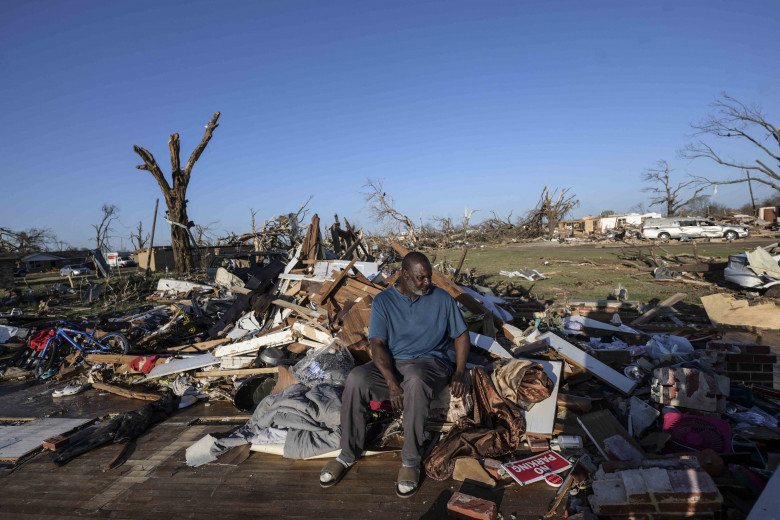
(309, 415)
(123, 427)
(496, 430)
(521, 381)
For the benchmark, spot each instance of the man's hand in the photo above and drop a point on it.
(396, 397)
(458, 384)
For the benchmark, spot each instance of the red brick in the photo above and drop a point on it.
(769, 368)
(756, 349)
(765, 359)
(55, 443)
(751, 367)
(739, 376)
(762, 376)
(466, 507)
(739, 358)
(493, 467)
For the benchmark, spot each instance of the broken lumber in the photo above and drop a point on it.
(667, 303)
(124, 392)
(239, 372)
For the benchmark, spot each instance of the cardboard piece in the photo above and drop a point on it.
(724, 309)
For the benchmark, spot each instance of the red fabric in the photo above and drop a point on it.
(384, 405)
(39, 339)
(144, 364)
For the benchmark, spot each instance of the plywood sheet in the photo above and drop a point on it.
(18, 441)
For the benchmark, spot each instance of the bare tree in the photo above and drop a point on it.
(204, 234)
(137, 237)
(466, 218)
(733, 119)
(26, 241)
(110, 214)
(382, 208)
(664, 192)
(176, 195)
(551, 208)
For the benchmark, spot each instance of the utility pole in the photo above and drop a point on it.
(151, 241)
(750, 186)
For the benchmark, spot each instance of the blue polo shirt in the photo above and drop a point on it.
(423, 328)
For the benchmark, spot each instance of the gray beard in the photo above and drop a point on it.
(417, 292)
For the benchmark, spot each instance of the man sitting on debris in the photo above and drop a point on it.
(412, 326)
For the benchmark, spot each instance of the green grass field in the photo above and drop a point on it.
(585, 271)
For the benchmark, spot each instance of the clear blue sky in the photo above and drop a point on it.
(455, 104)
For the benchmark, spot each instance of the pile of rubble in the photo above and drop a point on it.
(649, 414)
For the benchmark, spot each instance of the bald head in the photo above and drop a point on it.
(416, 275)
(414, 258)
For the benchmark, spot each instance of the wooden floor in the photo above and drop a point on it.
(155, 483)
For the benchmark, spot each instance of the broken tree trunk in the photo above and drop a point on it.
(176, 195)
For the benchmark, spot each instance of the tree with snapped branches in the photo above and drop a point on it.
(732, 119)
(382, 208)
(26, 241)
(664, 192)
(102, 228)
(175, 195)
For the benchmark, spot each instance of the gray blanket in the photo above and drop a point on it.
(310, 416)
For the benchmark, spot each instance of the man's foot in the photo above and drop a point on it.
(408, 482)
(333, 472)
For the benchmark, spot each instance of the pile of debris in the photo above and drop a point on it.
(664, 417)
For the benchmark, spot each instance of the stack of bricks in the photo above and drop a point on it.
(689, 387)
(655, 490)
(745, 363)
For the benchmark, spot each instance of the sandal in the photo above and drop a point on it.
(336, 469)
(408, 475)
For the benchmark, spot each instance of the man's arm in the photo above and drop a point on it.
(383, 359)
(462, 347)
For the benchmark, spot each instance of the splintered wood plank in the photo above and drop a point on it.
(593, 366)
(125, 392)
(328, 288)
(116, 359)
(238, 372)
(667, 303)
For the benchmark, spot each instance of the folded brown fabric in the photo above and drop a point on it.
(496, 430)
